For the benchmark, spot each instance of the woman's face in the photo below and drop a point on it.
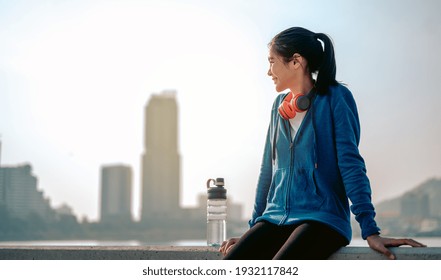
(280, 72)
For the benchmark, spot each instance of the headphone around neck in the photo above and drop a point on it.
(291, 105)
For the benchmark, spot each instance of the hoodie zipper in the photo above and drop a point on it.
(291, 164)
(291, 169)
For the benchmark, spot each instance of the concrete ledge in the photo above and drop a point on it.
(185, 253)
(402, 253)
(108, 253)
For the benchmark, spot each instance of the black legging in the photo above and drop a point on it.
(306, 241)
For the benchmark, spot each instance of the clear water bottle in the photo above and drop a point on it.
(216, 212)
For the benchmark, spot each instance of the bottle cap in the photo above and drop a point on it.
(217, 192)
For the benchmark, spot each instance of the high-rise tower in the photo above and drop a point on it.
(161, 161)
(19, 194)
(116, 191)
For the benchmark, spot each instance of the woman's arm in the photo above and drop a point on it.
(350, 162)
(264, 181)
(353, 171)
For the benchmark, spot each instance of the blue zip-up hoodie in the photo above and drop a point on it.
(312, 176)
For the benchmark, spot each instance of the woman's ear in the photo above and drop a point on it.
(298, 61)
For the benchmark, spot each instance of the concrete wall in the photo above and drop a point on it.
(185, 253)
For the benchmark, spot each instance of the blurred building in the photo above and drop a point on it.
(19, 195)
(116, 189)
(64, 210)
(161, 161)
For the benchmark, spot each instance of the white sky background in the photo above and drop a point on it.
(75, 77)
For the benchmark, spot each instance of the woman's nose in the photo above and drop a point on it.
(269, 72)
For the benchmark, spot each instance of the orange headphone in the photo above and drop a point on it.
(291, 105)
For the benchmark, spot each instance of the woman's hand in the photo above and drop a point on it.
(227, 245)
(380, 244)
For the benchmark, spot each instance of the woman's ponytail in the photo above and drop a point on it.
(327, 69)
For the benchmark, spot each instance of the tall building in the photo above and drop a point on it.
(116, 189)
(19, 195)
(160, 160)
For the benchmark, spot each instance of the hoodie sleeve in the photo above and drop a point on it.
(350, 162)
(263, 183)
(265, 175)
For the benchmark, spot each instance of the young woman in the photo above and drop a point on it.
(311, 164)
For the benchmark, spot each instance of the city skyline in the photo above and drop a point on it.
(74, 77)
(22, 198)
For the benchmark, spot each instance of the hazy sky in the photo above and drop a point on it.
(75, 77)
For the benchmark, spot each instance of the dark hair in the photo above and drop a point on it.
(306, 43)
